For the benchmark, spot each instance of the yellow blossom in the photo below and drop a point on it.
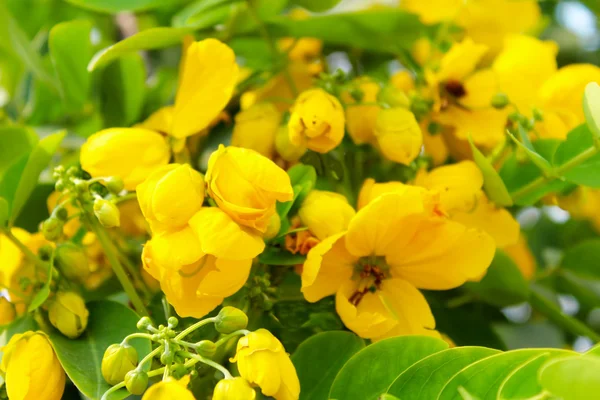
(170, 389)
(246, 185)
(325, 213)
(286, 150)
(31, 369)
(435, 146)
(11, 256)
(7, 311)
(398, 135)
(68, 314)
(317, 121)
(255, 128)
(170, 196)
(431, 12)
(233, 389)
(521, 255)
(128, 153)
(360, 119)
(262, 360)
(460, 60)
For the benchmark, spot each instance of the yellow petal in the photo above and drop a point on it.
(206, 85)
(360, 120)
(486, 126)
(160, 121)
(398, 135)
(173, 250)
(521, 255)
(11, 256)
(460, 60)
(168, 390)
(328, 265)
(370, 190)
(325, 213)
(433, 11)
(289, 389)
(255, 128)
(225, 278)
(222, 237)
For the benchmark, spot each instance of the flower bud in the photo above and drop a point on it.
(61, 213)
(117, 361)
(398, 134)
(206, 348)
(325, 213)
(173, 322)
(107, 213)
(230, 319)
(255, 128)
(68, 314)
(136, 381)
(144, 323)
(273, 227)
(114, 184)
(72, 261)
(233, 389)
(286, 150)
(317, 121)
(7, 311)
(394, 97)
(500, 100)
(52, 229)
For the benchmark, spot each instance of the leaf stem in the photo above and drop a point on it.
(206, 361)
(192, 328)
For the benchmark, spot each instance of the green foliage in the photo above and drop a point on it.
(316, 5)
(115, 6)
(591, 103)
(492, 183)
(15, 142)
(573, 378)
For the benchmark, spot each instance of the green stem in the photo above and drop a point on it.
(192, 328)
(206, 361)
(136, 336)
(150, 356)
(184, 343)
(121, 385)
(226, 338)
(113, 259)
(134, 271)
(558, 171)
(553, 313)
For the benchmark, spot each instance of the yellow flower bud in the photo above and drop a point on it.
(171, 196)
(72, 261)
(11, 256)
(317, 121)
(255, 128)
(230, 319)
(399, 135)
(117, 361)
(288, 151)
(31, 369)
(68, 314)
(273, 227)
(7, 311)
(246, 185)
(107, 213)
(262, 360)
(325, 213)
(360, 119)
(233, 389)
(170, 389)
(128, 153)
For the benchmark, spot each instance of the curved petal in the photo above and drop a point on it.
(225, 278)
(172, 250)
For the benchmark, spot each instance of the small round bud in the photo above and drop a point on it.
(68, 314)
(72, 261)
(206, 348)
(273, 227)
(144, 323)
(107, 213)
(61, 213)
(499, 101)
(59, 186)
(52, 229)
(136, 381)
(117, 361)
(114, 184)
(167, 357)
(233, 388)
(173, 322)
(230, 319)
(179, 370)
(73, 171)
(45, 252)
(82, 186)
(538, 114)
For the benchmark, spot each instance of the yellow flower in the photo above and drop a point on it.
(431, 12)
(317, 121)
(31, 369)
(398, 135)
(128, 153)
(435, 146)
(460, 60)
(255, 128)
(208, 76)
(170, 196)
(159, 121)
(360, 119)
(71, 226)
(246, 185)
(395, 245)
(68, 314)
(301, 49)
(262, 360)
(521, 255)
(233, 389)
(11, 256)
(7, 311)
(325, 213)
(170, 389)
(286, 150)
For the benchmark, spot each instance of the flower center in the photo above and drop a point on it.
(369, 272)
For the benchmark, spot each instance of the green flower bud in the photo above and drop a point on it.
(59, 185)
(107, 213)
(499, 101)
(114, 184)
(538, 115)
(167, 357)
(72, 261)
(173, 322)
(68, 314)
(273, 227)
(144, 323)
(52, 229)
(136, 381)
(61, 213)
(206, 348)
(230, 319)
(45, 252)
(117, 361)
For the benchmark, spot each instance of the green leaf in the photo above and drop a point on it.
(116, 6)
(538, 160)
(573, 378)
(15, 142)
(71, 65)
(492, 183)
(303, 179)
(426, 378)
(372, 370)
(37, 161)
(578, 141)
(332, 350)
(383, 30)
(153, 38)
(108, 323)
(534, 334)
(3, 212)
(123, 90)
(203, 13)
(578, 273)
(316, 5)
(278, 256)
(41, 296)
(591, 108)
(503, 284)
